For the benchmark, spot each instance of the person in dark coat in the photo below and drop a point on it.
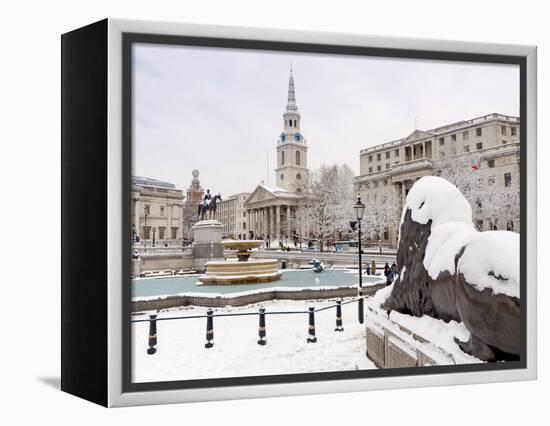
(389, 277)
(368, 269)
(394, 269)
(386, 268)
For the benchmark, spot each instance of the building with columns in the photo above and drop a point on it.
(492, 140)
(156, 207)
(272, 211)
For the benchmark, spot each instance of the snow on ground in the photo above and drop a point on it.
(181, 354)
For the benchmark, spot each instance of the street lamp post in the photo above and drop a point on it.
(146, 213)
(359, 211)
(154, 231)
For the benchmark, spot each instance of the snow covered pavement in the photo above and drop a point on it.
(181, 354)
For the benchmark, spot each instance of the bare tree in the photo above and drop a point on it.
(328, 204)
(382, 212)
(477, 185)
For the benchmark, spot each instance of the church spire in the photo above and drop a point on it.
(291, 104)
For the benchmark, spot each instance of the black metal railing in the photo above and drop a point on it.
(262, 332)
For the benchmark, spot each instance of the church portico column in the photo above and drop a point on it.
(248, 223)
(272, 223)
(278, 223)
(288, 223)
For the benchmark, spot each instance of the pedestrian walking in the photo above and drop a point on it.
(368, 269)
(386, 269)
(389, 277)
(394, 269)
(373, 268)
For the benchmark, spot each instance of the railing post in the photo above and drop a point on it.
(152, 334)
(261, 328)
(311, 330)
(209, 329)
(339, 316)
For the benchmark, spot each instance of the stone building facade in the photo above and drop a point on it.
(156, 208)
(492, 140)
(231, 212)
(272, 211)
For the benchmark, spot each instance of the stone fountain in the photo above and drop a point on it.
(241, 270)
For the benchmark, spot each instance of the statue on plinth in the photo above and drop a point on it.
(208, 204)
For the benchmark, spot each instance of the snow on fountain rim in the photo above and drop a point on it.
(487, 255)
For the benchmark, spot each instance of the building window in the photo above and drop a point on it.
(282, 157)
(507, 180)
(378, 157)
(386, 234)
(466, 135)
(466, 148)
(453, 138)
(290, 123)
(174, 232)
(294, 123)
(244, 226)
(491, 163)
(370, 169)
(378, 168)
(282, 176)
(513, 132)
(244, 214)
(162, 231)
(387, 154)
(503, 130)
(441, 141)
(479, 145)
(478, 131)
(297, 158)
(370, 158)
(396, 153)
(387, 166)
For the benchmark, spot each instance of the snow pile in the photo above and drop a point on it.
(436, 199)
(181, 354)
(491, 260)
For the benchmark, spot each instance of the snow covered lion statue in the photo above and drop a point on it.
(451, 271)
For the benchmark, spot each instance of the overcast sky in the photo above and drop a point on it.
(220, 110)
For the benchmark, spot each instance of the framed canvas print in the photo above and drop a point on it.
(251, 213)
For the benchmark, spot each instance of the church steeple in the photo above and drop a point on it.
(292, 172)
(291, 103)
(291, 115)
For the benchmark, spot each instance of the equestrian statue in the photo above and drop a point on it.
(208, 205)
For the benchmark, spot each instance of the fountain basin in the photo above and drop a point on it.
(241, 272)
(243, 247)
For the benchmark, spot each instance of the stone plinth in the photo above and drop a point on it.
(207, 245)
